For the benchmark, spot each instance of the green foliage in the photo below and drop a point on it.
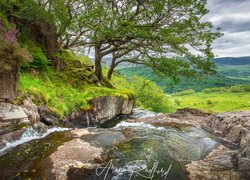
(149, 96)
(185, 92)
(238, 75)
(61, 97)
(233, 89)
(40, 61)
(11, 53)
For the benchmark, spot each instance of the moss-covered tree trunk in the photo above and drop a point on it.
(8, 82)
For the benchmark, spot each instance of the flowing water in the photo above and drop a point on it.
(150, 152)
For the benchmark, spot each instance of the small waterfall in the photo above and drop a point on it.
(28, 135)
(125, 124)
(140, 113)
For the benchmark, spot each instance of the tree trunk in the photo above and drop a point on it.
(98, 63)
(8, 83)
(111, 68)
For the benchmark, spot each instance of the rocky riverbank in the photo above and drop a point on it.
(224, 153)
(15, 119)
(228, 161)
(225, 163)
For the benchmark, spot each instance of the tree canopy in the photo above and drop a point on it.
(166, 35)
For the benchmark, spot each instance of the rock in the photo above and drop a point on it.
(47, 117)
(244, 164)
(40, 127)
(102, 109)
(219, 164)
(192, 111)
(12, 136)
(164, 120)
(2, 144)
(235, 128)
(224, 122)
(31, 110)
(77, 157)
(235, 133)
(245, 146)
(244, 167)
(10, 112)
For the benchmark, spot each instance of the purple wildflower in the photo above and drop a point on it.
(11, 35)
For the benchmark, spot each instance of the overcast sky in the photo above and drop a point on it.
(233, 16)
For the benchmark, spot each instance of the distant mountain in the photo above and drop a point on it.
(232, 60)
(218, 61)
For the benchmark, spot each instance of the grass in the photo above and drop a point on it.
(59, 95)
(215, 101)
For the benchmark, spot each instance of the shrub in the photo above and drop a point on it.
(40, 61)
(186, 92)
(209, 101)
(149, 96)
(11, 53)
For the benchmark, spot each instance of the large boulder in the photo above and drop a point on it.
(102, 109)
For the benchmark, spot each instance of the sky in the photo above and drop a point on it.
(233, 17)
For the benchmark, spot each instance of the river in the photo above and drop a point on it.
(148, 151)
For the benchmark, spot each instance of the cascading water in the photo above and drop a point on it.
(28, 135)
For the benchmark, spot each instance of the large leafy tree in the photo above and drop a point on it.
(155, 33)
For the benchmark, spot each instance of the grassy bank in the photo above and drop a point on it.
(59, 95)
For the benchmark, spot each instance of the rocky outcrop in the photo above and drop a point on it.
(46, 116)
(219, 164)
(102, 109)
(224, 163)
(14, 119)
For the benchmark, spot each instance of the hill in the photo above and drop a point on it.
(228, 75)
(233, 61)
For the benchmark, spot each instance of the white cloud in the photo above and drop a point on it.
(233, 17)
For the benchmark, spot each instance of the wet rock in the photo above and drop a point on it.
(103, 109)
(40, 127)
(78, 156)
(12, 136)
(164, 120)
(47, 117)
(2, 144)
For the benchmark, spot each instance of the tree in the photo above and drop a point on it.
(155, 33)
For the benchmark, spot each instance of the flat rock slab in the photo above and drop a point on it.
(10, 112)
